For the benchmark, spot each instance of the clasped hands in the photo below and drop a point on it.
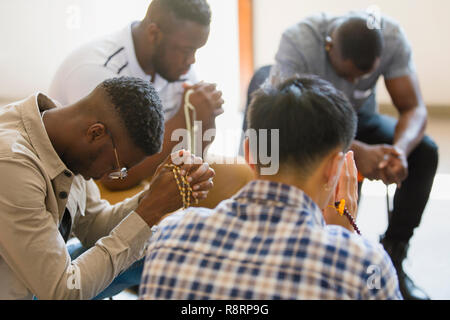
(347, 189)
(383, 162)
(163, 196)
(207, 101)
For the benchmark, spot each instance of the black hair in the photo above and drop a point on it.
(191, 10)
(138, 105)
(312, 117)
(359, 43)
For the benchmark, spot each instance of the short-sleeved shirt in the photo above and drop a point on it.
(302, 51)
(269, 241)
(111, 56)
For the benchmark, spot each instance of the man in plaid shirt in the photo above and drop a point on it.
(278, 238)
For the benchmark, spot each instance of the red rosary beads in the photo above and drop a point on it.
(343, 211)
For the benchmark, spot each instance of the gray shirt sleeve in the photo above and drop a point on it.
(301, 50)
(289, 60)
(401, 63)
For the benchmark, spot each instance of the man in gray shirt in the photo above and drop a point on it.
(352, 52)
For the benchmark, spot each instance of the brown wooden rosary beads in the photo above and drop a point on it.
(183, 185)
(343, 211)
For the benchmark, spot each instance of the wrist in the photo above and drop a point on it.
(401, 149)
(358, 149)
(151, 219)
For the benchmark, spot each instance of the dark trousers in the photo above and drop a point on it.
(410, 200)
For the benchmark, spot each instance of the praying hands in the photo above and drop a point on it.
(164, 196)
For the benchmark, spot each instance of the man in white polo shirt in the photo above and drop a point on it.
(161, 48)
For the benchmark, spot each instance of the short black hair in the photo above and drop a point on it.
(312, 117)
(359, 43)
(139, 107)
(191, 10)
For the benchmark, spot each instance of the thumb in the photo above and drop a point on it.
(189, 85)
(383, 163)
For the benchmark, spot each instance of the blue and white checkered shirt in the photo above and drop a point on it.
(269, 241)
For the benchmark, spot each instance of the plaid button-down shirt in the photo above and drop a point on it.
(269, 241)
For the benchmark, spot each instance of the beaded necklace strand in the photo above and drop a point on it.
(183, 186)
(343, 211)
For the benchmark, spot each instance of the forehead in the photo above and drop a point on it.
(188, 33)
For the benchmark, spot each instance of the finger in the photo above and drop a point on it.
(217, 95)
(206, 176)
(187, 162)
(388, 176)
(342, 186)
(387, 148)
(353, 172)
(398, 176)
(219, 103)
(382, 177)
(210, 87)
(200, 195)
(188, 85)
(396, 152)
(396, 171)
(204, 186)
(399, 168)
(348, 184)
(391, 152)
(194, 177)
(383, 163)
(177, 158)
(218, 112)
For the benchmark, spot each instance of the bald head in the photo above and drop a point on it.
(358, 43)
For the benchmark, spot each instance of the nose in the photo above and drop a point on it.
(190, 59)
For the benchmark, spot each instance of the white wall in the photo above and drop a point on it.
(426, 24)
(36, 35)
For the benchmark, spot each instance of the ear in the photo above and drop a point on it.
(248, 156)
(333, 169)
(153, 33)
(96, 132)
(328, 44)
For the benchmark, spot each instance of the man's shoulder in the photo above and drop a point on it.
(88, 65)
(186, 218)
(391, 29)
(99, 51)
(310, 28)
(13, 141)
(361, 248)
(306, 39)
(19, 163)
